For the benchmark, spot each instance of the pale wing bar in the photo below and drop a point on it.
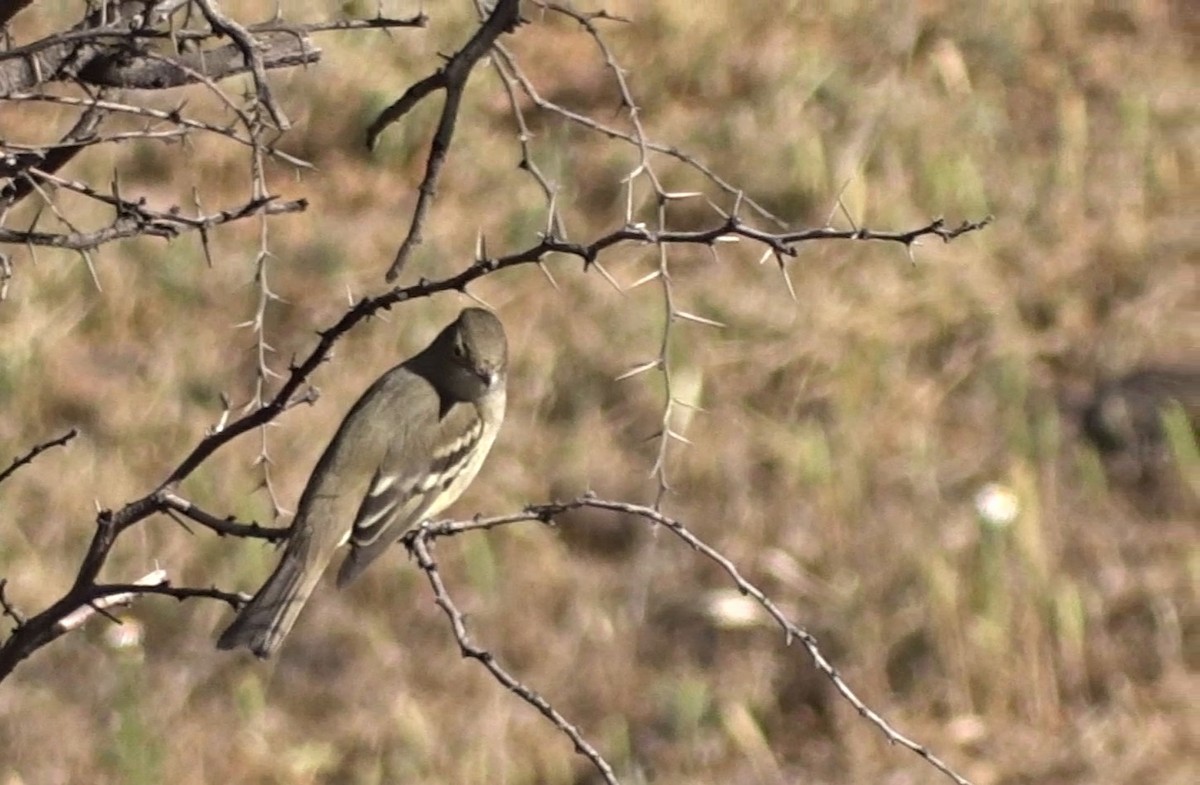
(392, 497)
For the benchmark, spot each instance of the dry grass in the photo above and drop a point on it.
(845, 438)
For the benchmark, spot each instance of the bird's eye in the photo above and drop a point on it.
(460, 351)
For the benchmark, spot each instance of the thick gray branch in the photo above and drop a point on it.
(279, 50)
(61, 60)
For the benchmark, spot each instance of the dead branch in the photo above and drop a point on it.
(279, 50)
(38, 449)
(452, 78)
(418, 541)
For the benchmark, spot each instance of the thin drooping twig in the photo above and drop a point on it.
(263, 374)
(35, 451)
(452, 79)
(662, 273)
(555, 225)
(418, 542)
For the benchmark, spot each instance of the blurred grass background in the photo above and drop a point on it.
(845, 439)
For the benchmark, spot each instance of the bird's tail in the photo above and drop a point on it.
(264, 622)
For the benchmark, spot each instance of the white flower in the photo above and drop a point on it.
(997, 505)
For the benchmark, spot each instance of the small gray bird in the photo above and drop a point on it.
(407, 449)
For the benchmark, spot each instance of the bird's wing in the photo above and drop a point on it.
(418, 467)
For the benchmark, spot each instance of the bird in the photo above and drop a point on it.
(405, 451)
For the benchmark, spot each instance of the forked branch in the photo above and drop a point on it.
(419, 542)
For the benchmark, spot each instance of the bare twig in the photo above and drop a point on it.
(174, 117)
(262, 370)
(100, 599)
(7, 608)
(104, 591)
(418, 542)
(419, 539)
(452, 78)
(134, 220)
(222, 526)
(100, 604)
(251, 50)
(52, 158)
(37, 450)
(535, 97)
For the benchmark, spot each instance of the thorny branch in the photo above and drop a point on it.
(134, 220)
(102, 597)
(111, 48)
(175, 117)
(110, 524)
(49, 158)
(251, 54)
(419, 542)
(224, 527)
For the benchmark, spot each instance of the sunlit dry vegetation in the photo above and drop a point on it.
(845, 441)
